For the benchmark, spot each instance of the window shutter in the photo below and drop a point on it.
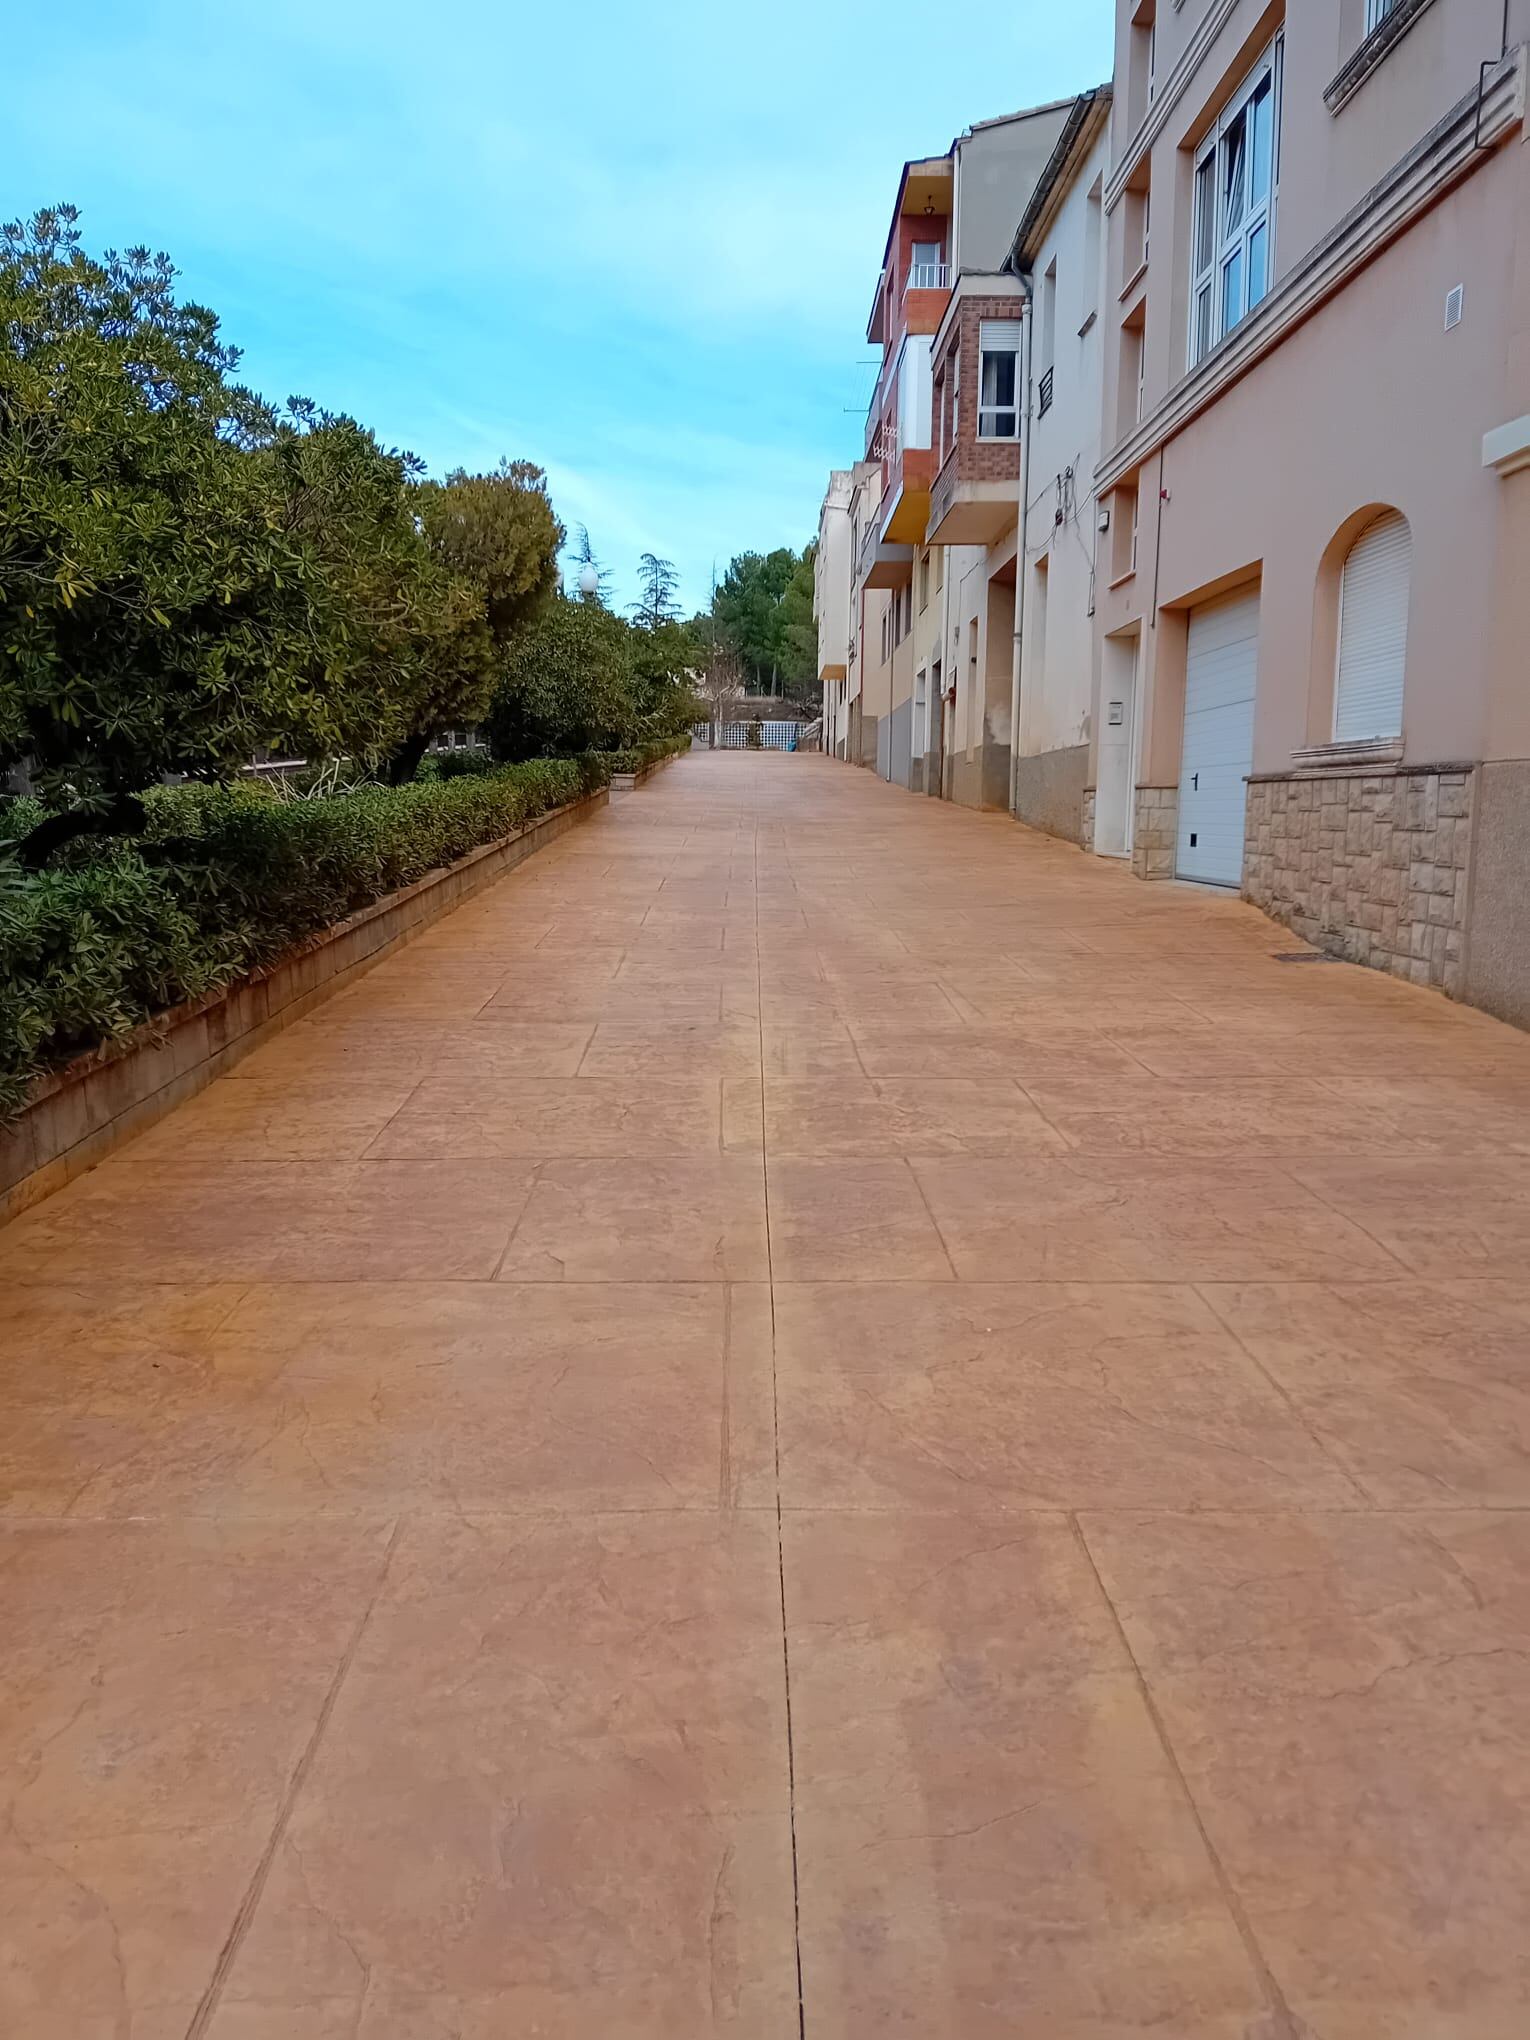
(999, 336)
(1373, 632)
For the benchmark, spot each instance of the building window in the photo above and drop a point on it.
(1093, 215)
(1132, 387)
(1373, 632)
(1142, 86)
(999, 379)
(1237, 176)
(925, 270)
(924, 581)
(1376, 12)
(1123, 532)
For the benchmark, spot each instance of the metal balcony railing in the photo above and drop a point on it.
(927, 276)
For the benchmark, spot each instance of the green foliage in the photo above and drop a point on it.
(658, 603)
(222, 880)
(747, 608)
(798, 632)
(184, 576)
(499, 532)
(565, 685)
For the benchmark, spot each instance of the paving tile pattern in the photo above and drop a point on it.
(818, 1416)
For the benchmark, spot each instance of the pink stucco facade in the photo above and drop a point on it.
(1356, 386)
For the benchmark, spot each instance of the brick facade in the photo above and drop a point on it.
(976, 460)
(1155, 831)
(1368, 866)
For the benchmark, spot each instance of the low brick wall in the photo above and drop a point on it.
(1371, 866)
(1155, 831)
(77, 1115)
(624, 782)
(1086, 817)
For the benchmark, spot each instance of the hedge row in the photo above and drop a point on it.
(223, 880)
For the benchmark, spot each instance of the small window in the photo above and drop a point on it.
(1376, 12)
(999, 379)
(1373, 632)
(924, 270)
(1093, 216)
(1237, 172)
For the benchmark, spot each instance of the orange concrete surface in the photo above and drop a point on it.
(814, 1393)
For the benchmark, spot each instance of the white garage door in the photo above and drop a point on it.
(1221, 666)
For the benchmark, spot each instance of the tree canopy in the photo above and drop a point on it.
(763, 607)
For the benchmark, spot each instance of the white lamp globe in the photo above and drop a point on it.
(589, 579)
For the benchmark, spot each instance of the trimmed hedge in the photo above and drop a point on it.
(223, 880)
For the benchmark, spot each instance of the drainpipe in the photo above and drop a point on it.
(1021, 576)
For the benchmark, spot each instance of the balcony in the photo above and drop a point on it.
(926, 293)
(884, 563)
(976, 495)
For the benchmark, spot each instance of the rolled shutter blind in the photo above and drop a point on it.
(1373, 632)
(998, 335)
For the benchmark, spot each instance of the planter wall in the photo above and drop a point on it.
(77, 1115)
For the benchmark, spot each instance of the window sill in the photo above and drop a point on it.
(1088, 323)
(1132, 281)
(1383, 38)
(1377, 752)
(1121, 580)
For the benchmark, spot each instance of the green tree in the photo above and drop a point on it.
(185, 577)
(498, 531)
(665, 661)
(747, 607)
(799, 627)
(496, 539)
(565, 685)
(659, 580)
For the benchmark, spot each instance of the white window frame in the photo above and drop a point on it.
(1228, 246)
(992, 417)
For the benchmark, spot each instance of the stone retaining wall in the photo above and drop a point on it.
(77, 1115)
(1371, 866)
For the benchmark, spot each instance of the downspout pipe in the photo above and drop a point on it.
(1022, 577)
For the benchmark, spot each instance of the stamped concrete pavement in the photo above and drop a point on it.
(818, 1415)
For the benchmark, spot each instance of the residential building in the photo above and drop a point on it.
(974, 505)
(931, 631)
(831, 609)
(1314, 517)
(1058, 253)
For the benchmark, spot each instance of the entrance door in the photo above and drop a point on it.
(1117, 778)
(1221, 670)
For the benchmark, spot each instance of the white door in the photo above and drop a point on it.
(1221, 666)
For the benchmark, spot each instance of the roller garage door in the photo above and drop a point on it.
(1221, 668)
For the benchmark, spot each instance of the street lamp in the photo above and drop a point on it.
(589, 580)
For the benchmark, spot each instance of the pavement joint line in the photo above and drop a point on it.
(775, 1417)
(228, 1954)
(1286, 2027)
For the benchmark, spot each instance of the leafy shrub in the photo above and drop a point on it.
(565, 685)
(222, 880)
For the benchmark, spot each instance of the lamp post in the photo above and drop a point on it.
(589, 581)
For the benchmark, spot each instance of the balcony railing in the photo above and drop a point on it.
(927, 276)
(1044, 395)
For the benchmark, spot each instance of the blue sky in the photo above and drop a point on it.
(636, 245)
